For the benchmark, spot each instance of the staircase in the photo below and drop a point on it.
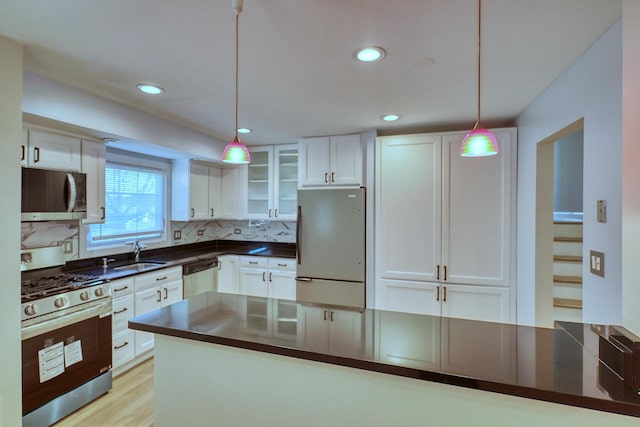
(567, 271)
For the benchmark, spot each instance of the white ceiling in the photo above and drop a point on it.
(297, 74)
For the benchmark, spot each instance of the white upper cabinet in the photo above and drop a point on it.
(93, 164)
(272, 182)
(326, 161)
(443, 219)
(203, 192)
(48, 150)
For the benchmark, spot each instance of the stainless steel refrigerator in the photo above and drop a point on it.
(331, 247)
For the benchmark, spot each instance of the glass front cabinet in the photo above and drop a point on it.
(272, 182)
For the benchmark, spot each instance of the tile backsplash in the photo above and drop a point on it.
(66, 233)
(251, 230)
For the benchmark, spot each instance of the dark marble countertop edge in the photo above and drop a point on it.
(173, 256)
(586, 402)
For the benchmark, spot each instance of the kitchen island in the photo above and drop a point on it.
(240, 360)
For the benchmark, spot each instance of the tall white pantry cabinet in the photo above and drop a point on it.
(445, 227)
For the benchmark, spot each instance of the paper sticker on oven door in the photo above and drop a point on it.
(51, 361)
(72, 353)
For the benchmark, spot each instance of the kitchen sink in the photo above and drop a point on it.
(138, 266)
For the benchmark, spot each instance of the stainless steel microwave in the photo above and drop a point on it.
(53, 195)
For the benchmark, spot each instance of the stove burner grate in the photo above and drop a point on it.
(50, 285)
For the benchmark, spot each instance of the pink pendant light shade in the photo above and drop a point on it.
(478, 143)
(236, 152)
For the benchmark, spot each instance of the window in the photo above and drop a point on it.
(136, 204)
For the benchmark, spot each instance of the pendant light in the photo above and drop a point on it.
(479, 142)
(236, 151)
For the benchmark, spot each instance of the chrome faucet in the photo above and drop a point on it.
(137, 247)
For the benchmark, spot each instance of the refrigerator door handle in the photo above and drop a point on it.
(298, 224)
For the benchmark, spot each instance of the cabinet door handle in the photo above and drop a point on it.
(159, 295)
(104, 212)
(438, 272)
(270, 277)
(445, 273)
(276, 213)
(193, 212)
(158, 279)
(263, 276)
(444, 294)
(437, 293)
(36, 154)
(118, 347)
(325, 315)
(120, 311)
(166, 293)
(212, 212)
(333, 177)
(331, 315)
(22, 152)
(326, 178)
(270, 213)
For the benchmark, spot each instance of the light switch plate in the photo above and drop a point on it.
(602, 210)
(596, 263)
(177, 235)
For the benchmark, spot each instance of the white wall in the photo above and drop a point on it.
(630, 167)
(591, 89)
(53, 100)
(10, 139)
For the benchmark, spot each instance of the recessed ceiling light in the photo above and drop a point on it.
(150, 89)
(244, 130)
(390, 117)
(369, 54)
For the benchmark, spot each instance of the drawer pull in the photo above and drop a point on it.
(253, 262)
(124, 288)
(161, 278)
(121, 311)
(283, 265)
(118, 347)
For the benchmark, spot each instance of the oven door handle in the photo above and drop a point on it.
(41, 325)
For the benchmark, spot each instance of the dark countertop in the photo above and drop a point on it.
(557, 365)
(169, 257)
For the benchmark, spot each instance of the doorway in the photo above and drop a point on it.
(559, 210)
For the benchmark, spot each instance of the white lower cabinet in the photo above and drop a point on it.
(228, 279)
(123, 345)
(268, 277)
(330, 330)
(152, 291)
(488, 303)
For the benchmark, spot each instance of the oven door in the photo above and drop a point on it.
(64, 352)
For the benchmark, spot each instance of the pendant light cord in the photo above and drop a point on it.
(479, 51)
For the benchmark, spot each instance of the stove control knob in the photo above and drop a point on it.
(84, 296)
(30, 310)
(60, 302)
(99, 292)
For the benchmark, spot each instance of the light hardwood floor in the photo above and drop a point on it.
(129, 403)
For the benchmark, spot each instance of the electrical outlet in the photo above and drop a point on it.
(200, 232)
(177, 235)
(237, 231)
(596, 263)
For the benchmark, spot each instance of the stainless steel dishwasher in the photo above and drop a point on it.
(199, 277)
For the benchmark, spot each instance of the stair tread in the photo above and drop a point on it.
(567, 258)
(567, 303)
(567, 279)
(567, 239)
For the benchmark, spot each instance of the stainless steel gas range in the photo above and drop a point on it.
(66, 345)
